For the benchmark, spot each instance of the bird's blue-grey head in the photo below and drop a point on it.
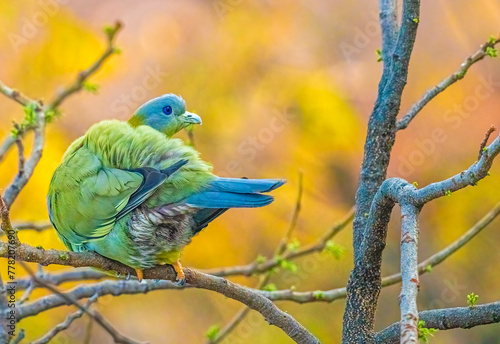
(166, 114)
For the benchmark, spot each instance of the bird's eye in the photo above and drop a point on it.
(167, 110)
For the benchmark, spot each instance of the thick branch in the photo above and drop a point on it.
(446, 319)
(364, 283)
(409, 273)
(194, 278)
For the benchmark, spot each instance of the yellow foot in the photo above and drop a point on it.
(139, 274)
(181, 278)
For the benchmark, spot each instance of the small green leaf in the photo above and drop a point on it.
(318, 294)
(117, 50)
(260, 259)
(108, 29)
(415, 184)
(447, 193)
(92, 88)
(416, 20)
(491, 52)
(63, 256)
(294, 245)
(428, 268)
(40, 247)
(379, 55)
(212, 332)
(472, 299)
(270, 287)
(288, 265)
(334, 249)
(424, 332)
(492, 39)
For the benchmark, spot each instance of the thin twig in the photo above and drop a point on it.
(293, 223)
(117, 337)
(485, 141)
(65, 324)
(21, 180)
(19, 337)
(6, 225)
(444, 84)
(15, 95)
(20, 149)
(84, 75)
(74, 275)
(36, 226)
(258, 268)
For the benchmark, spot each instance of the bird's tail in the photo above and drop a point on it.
(235, 193)
(225, 193)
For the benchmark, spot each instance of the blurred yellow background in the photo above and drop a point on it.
(282, 87)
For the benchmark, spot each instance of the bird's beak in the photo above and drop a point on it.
(191, 118)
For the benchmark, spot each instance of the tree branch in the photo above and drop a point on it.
(7, 226)
(84, 75)
(257, 268)
(15, 95)
(23, 177)
(409, 273)
(444, 84)
(64, 325)
(117, 337)
(194, 278)
(365, 279)
(446, 319)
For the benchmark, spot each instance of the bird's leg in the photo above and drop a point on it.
(181, 278)
(139, 274)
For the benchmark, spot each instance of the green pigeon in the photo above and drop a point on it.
(130, 192)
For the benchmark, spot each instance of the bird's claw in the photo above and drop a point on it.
(181, 278)
(180, 282)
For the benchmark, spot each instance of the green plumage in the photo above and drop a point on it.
(94, 183)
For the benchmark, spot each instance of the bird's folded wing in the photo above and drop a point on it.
(88, 210)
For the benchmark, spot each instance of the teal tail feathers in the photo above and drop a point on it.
(235, 193)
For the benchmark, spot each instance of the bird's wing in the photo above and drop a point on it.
(86, 204)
